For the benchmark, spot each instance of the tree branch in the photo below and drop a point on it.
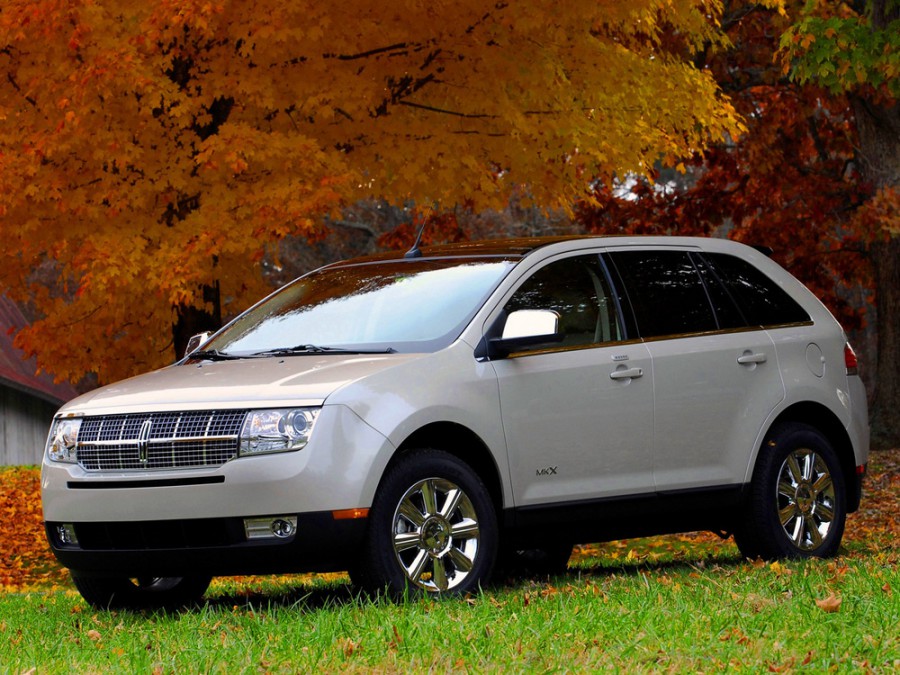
(399, 47)
(444, 111)
(12, 81)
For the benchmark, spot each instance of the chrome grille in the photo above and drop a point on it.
(151, 441)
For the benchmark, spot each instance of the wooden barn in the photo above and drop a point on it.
(27, 401)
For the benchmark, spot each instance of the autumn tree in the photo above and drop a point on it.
(151, 152)
(796, 181)
(853, 48)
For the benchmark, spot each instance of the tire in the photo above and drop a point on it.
(142, 593)
(798, 499)
(432, 529)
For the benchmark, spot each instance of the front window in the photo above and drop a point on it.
(404, 306)
(576, 289)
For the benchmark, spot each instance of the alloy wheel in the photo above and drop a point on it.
(436, 535)
(806, 499)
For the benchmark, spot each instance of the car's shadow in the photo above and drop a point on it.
(304, 597)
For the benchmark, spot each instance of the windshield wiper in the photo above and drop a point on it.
(318, 349)
(213, 355)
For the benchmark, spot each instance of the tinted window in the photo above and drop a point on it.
(665, 291)
(727, 313)
(576, 289)
(761, 300)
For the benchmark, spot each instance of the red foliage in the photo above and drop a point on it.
(437, 227)
(790, 183)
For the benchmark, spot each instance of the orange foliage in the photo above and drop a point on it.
(27, 559)
(151, 149)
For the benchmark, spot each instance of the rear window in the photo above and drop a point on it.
(761, 300)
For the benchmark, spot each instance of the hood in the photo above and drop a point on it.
(246, 383)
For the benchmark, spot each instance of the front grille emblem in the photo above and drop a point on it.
(144, 441)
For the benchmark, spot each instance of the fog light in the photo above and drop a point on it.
(282, 528)
(65, 533)
(271, 527)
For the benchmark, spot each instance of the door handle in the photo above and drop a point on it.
(748, 358)
(630, 373)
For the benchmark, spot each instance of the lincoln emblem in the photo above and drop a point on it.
(144, 441)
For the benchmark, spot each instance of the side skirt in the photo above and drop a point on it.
(625, 517)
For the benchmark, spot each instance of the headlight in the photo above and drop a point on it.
(62, 441)
(279, 430)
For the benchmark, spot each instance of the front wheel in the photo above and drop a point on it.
(141, 593)
(798, 500)
(432, 529)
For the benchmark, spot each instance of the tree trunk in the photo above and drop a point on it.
(879, 156)
(191, 320)
(885, 411)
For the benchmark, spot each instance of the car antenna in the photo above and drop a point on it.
(415, 252)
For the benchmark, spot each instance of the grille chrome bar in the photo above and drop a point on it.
(159, 441)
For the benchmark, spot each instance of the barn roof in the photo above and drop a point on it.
(18, 372)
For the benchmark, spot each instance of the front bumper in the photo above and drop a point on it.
(214, 546)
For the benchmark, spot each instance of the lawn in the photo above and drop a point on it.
(680, 603)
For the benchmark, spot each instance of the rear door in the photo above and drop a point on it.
(716, 379)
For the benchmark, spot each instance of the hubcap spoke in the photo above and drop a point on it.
(787, 513)
(440, 574)
(451, 502)
(809, 463)
(460, 560)
(825, 513)
(822, 484)
(409, 511)
(465, 529)
(795, 474)
(786, 489)
(406, 540)
(429, 498)
(813, 528)
(414, 571)
(797, 535)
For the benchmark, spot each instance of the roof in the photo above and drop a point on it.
(507, 248)
(18, 372)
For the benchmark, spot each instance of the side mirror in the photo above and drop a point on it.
(525, 328)
(524, 323)
(197, 341)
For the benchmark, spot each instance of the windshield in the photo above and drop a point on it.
(404, 306)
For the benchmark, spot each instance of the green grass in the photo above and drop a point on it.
(662, 604)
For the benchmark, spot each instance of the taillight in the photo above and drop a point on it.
(851, 362)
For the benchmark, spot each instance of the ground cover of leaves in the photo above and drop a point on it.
(28, 564)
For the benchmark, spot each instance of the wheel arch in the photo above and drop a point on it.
(820, 417)
(463, 443)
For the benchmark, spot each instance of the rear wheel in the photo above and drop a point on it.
(798, 500)
(142, 592)
(432, 529)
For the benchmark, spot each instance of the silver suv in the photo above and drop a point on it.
(421, 419)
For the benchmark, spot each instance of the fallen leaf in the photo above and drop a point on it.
(830, 604)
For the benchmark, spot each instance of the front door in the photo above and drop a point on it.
(578, 416)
